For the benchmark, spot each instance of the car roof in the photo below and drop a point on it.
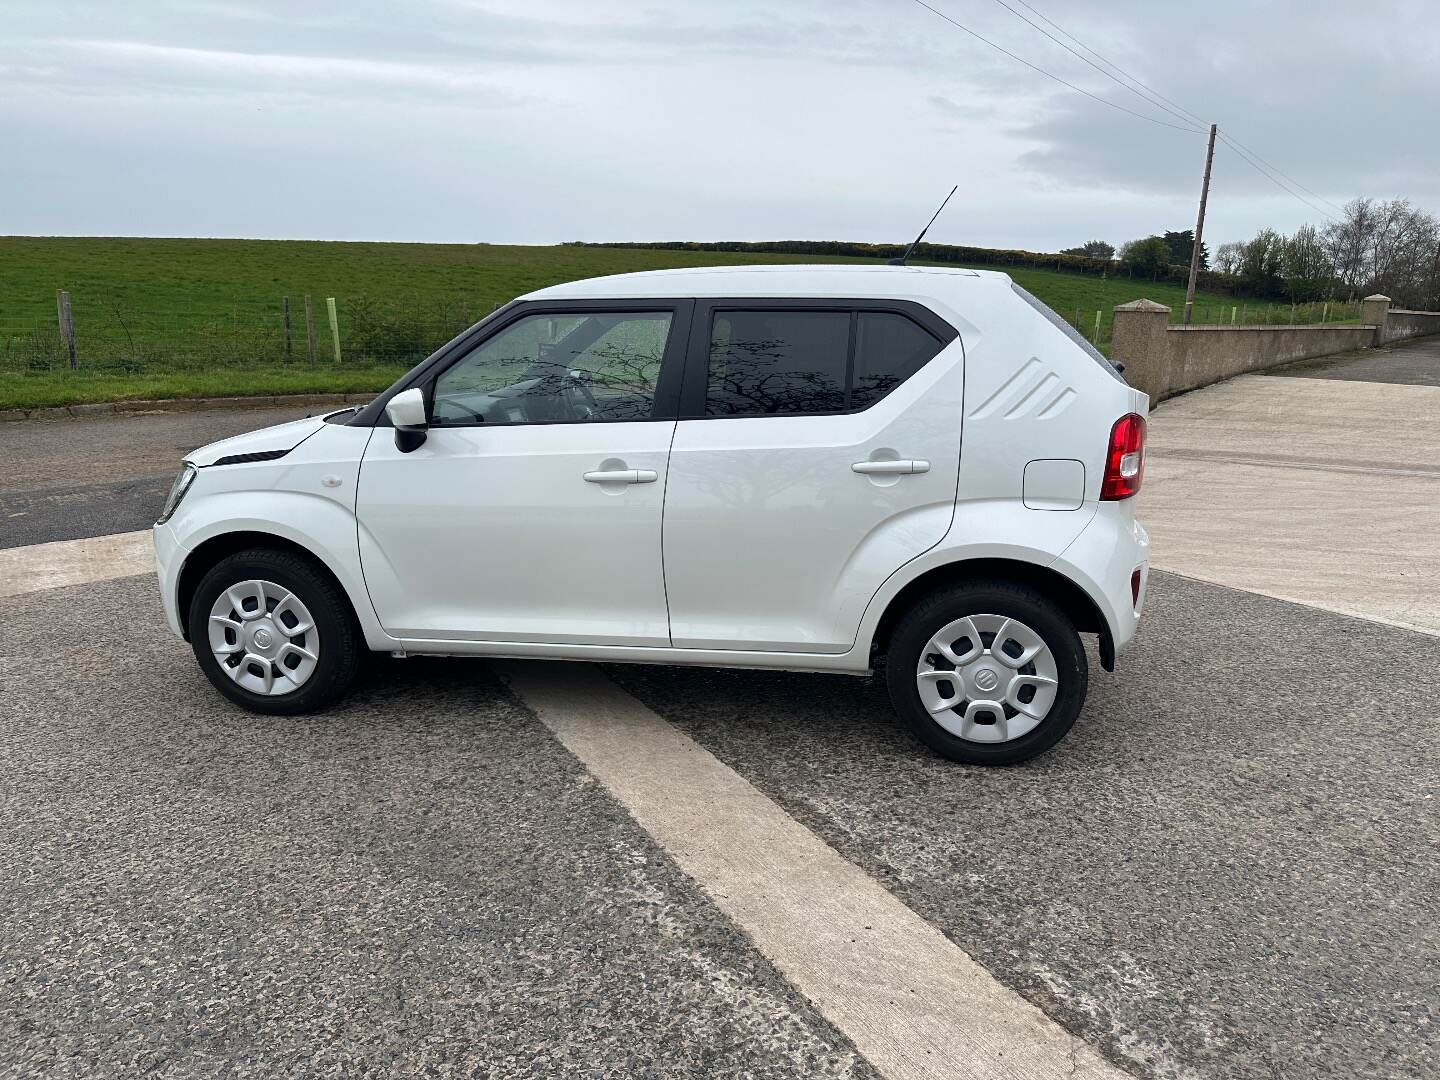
(777, 279)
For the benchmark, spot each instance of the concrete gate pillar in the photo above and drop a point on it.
(1138, 341)
(1375, 311)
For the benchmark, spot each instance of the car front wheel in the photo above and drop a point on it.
(274, 632)
(989, 673)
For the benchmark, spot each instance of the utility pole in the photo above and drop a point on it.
(1199, 228)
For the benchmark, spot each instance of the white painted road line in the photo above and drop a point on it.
(75, 562)
(913, 1002)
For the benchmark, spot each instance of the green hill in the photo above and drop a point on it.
(171, 317)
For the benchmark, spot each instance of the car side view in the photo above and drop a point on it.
(839, 469)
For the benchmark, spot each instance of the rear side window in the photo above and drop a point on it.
(764, 362)
(775, 362)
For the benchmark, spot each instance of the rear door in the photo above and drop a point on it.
(817, 451)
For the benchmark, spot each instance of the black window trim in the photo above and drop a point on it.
(667, 388)
(694, 388)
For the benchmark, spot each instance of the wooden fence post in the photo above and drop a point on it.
(67, 325)
(334, 325)
(309, 329)
(285, 313)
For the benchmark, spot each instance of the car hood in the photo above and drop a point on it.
(275, 441)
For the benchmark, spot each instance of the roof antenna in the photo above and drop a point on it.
(901, 260)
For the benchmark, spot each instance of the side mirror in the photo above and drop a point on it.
(406, 411)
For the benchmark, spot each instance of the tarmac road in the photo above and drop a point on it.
(69, 479)
(1230, 869)
(421, 882)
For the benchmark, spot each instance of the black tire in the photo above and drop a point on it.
(994, 597)
(341, 642)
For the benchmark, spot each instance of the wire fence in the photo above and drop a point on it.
(111, 340)
(354, 332)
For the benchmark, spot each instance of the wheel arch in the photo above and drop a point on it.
(1077, 604)
(209, 552)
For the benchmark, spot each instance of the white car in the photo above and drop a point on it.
(810, 468)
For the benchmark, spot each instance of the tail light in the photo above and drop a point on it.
(1125, 458)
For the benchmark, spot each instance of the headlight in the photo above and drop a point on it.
(177, 491)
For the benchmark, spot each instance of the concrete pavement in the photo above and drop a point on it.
(1318, 483)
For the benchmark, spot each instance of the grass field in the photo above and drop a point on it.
(175, 318)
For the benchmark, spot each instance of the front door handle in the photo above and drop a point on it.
(904, 467)
(622, 476)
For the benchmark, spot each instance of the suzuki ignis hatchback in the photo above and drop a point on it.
(812, 468)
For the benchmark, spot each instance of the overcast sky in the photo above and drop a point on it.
(552, 120)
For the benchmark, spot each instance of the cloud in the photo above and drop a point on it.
(561, 119)
(169, 66)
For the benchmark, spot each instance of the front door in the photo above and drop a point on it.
(817, 452)
(532, 511)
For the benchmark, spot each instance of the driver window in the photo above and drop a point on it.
(558, 368)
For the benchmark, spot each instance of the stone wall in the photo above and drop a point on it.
(1407, 324)
(1164, 360)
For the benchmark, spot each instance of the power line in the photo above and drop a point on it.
(1280, 179)
(1255, 164)
(1049, 75)
(1126, 86)
(1250, 157)
(1236, 144)
(1105, 60)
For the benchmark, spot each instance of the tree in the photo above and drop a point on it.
(1228, 257)
(1092, 249)
(1181, 244)
(1147, 257)
(1305, 265)
(1386, 247)
(1261, 263)
(1348, 241)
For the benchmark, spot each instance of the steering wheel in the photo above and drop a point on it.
(578, 397)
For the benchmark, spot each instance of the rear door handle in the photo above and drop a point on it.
(903, 467)
(622, 476)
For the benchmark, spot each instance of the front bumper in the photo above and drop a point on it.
(169, 561)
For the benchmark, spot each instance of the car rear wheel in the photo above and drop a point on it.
(989, 673)
(274, 632)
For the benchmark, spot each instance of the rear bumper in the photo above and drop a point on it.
(1102, 560)
(169, 561)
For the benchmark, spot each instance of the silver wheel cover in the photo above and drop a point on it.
(264, 638)
(987, 678)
